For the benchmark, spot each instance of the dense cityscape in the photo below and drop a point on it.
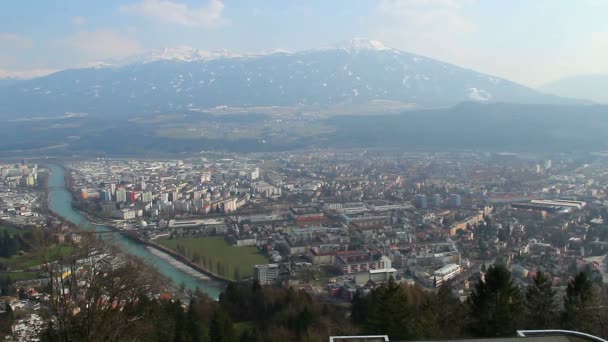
(336, 225)
(307, 171)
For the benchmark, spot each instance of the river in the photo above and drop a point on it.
(60, 202)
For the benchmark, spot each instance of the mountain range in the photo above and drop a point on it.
(354, 72)
(591, 87)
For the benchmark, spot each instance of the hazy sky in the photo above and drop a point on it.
(529, 41)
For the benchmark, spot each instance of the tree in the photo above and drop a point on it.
(221, 329)
(388, 312)
(180, 249)
(92, 298)
(541, 307)
(447, 314)
(496, 304)
(578, 311)
(196, 258)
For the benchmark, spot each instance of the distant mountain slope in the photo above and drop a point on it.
(589, 87)
(5, 82)
(356, 72)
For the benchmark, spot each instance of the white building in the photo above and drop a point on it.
(124, 214)
(266, 274)
(377, 276)
(445, 273)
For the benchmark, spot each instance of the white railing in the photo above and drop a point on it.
(530, 333)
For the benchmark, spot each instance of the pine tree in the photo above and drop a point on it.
(540, 303)
(359, 308)
(578, 301)
(450, 312)
(221, 329)
(388, 312)
(496, 304)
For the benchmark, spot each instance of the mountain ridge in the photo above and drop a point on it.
(590, 86)
(358, 71)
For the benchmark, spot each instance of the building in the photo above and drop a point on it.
(561, 203)
(455, 201)
(267, 274)
(106, 196)
(378, 276)
(124, 214)
(466, 223)
(421, 201)
(255, 174)
(351, 262)
(132, 196)
(146, 196)
(306, 213)
(121, 195)
(436, 200)
(445, 273)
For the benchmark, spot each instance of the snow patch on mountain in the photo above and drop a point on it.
(479, 94)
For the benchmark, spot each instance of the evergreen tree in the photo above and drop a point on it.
(9, 245)
(193, 324)
(578, 301)
(359, 308)
(388, 312)
(540, 303)
(496, 304)
(449, 314)
(221, 329)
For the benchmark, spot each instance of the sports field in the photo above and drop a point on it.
(217, 256)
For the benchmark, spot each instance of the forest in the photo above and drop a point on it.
(249, 312)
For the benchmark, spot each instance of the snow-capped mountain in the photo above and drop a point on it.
(361, 44)
(357, 71)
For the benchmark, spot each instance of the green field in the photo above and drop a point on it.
(27, 260)
(17, 276)
(211, 252)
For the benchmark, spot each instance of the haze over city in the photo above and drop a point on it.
(342, 171)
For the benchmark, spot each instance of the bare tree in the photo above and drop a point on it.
(95, 291)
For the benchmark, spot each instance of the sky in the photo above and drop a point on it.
(527, 41)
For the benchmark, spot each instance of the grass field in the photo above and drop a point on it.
(235, 262)
(17, 276)
(27, 260)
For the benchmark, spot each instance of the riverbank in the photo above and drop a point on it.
(188, 262)
(209, 283)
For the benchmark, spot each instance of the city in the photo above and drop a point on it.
(334, 224)
(343, 171)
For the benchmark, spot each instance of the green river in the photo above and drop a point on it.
(60, 202)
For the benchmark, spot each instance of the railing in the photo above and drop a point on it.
(529, 333)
